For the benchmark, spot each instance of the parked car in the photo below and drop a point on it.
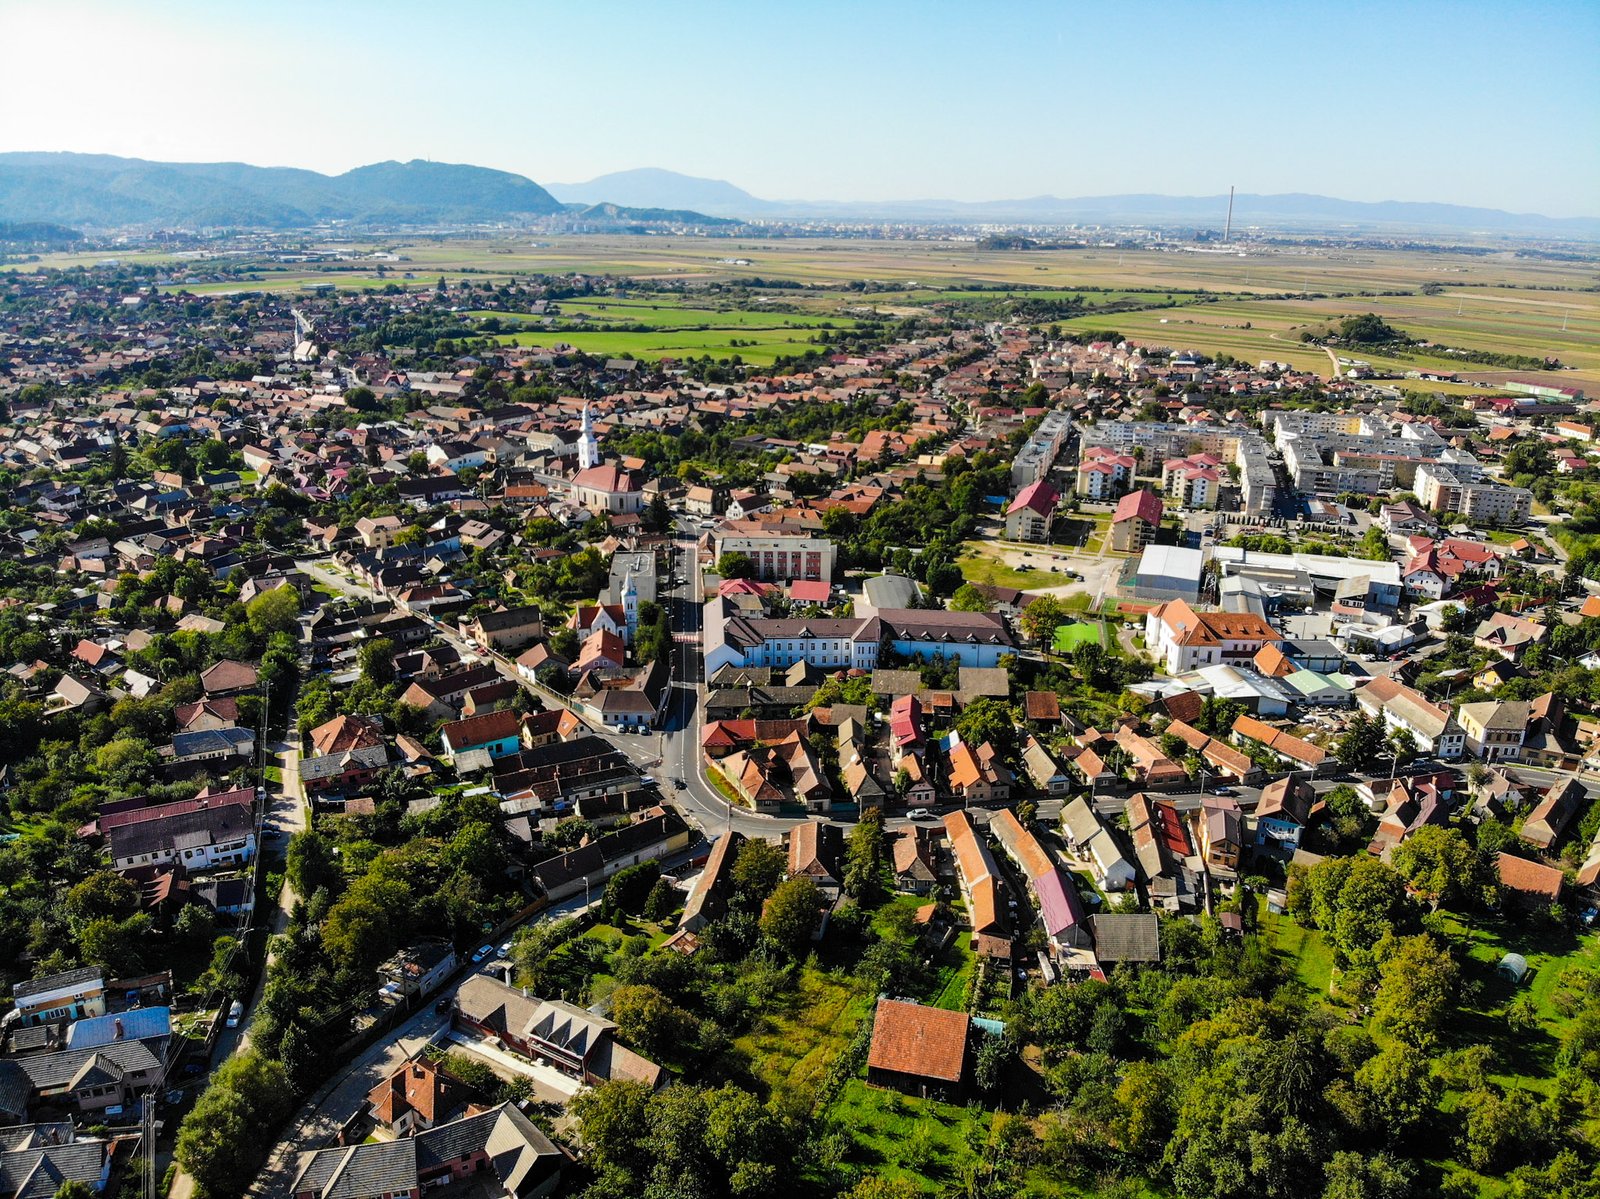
(235, 1014)
(505, 949)
(442, 1007)
(482, 952)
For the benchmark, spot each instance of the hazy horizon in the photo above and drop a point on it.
(833, 102)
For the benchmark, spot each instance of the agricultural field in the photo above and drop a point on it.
(758, 347)
(1496, 320)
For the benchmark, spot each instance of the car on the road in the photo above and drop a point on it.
(505, 949)
(173, 1097)
(442, 1007)
(1222, 790)
(235, 1014)
(919, 814)
(482, 952)
(679, 784)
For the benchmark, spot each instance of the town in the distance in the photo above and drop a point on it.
(638, 714)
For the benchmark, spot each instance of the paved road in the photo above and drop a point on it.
(285, 816)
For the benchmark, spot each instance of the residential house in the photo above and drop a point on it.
(1432, 726)
(1560, 805)
(499, 1148)
(74, 994)
(1531, 885)
(499, 734)
(919, 1050)
(713, 886)
(1284, 812)
(911, 858)
(1089, 838)
(417, 1096)
(977, 776)
(1055, 896)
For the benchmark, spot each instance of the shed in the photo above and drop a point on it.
(1513, 966)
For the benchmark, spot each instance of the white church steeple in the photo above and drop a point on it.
(588, 446)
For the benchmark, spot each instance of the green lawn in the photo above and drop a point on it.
(956, 969)
(794, 1041)
(1070, 636)
(1526, 1058)
(1306, 948)
(755, 346)
(669, 312)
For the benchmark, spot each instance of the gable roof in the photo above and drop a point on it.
(925, 1042)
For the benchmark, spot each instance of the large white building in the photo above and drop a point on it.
(1182, 639)
(834, 643)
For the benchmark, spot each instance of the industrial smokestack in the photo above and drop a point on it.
(1227, 233)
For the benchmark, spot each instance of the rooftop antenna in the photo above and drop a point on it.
(1227, 233)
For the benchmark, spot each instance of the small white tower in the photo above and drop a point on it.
(588, 446)
(630, 607)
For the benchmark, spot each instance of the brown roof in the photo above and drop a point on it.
(1529, 878)
(1043, 705)
(927, 1042)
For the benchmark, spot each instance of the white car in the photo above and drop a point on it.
(919, 814)
(235, 1014)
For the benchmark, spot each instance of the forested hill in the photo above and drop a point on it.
(101, 191)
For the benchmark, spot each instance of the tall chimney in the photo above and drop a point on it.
(1227, 233)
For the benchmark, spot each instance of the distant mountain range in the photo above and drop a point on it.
(98, 191)
(655, 188)
(102, 191)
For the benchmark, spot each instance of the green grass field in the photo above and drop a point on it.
(669, 314)
(760, 348)
(1068, 637)
(1307, 949)
(794, 1041)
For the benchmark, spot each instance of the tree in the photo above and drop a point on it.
(1442, 865)
(734, 565)
(311, 864)
(628, 890)
(1362, 744)
(1400, 1083)
(118, 945)
(661, 902)
(791, 914)
(1040, 618)
(102, 895)
(376, 659)
(991, 720)
(757, 870)
(864, 859)
(220, 1142)
(650, 1021)
(1354, 1175)
(1372, 902)
(275, 611)
(878, 1187)
(969, 599)
(74, 1188)
(1416, 989)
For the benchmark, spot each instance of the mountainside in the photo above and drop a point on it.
(98, 190)
(652, 187)
(617, 213)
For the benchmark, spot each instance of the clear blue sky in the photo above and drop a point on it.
(1496, 104)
